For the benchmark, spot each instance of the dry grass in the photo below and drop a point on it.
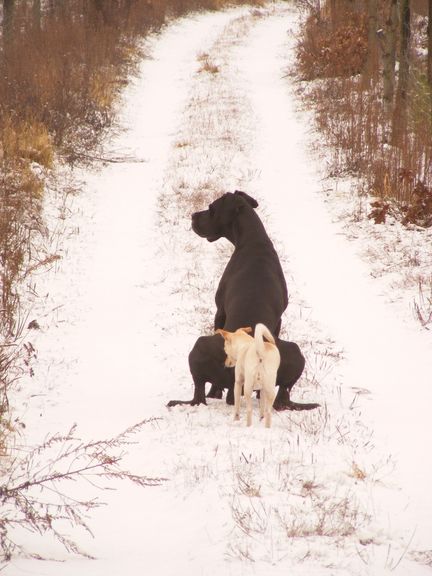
(207, 65)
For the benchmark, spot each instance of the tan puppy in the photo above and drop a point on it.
(256, 364)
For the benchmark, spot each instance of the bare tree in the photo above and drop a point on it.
(372, 60)
(37, 13)
(405, 35)
(8, 12)
(388, 44)
(429, 33)
(399, 113)
(333, 13)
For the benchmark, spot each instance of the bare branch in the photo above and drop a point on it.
(32, 495)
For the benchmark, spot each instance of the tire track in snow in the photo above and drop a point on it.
(102, 307)
(220, 123)
(286, 180)
(384, 353)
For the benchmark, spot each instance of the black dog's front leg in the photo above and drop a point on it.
(199, 394)
(219, 322)
(207, 364)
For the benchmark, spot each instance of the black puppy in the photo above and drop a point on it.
(252, 289)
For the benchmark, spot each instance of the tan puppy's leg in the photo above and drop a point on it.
(237, 397)
(270, 395)
(262, 403)
(238, 387)
(267, 412)
(248, 389)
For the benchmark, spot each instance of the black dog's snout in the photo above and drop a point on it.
(204, 225)
(194, 221)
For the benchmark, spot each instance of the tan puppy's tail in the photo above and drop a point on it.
(262, 331)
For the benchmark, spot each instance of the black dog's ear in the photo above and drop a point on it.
(248, 198)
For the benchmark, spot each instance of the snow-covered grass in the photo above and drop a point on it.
(339, 490)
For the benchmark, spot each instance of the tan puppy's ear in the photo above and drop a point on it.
(246, 329)
(223, 333)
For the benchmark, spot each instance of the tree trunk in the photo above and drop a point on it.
(399, 117)
(8, 11)
(372, 59)
(405, 34)
(389, 42)
(37, 14)
(333, 14)
(429, 33)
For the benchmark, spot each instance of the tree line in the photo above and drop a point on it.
(375, 102)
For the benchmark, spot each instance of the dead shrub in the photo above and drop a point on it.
(412, 203)
(325, 51)
(380, 211)
(419, 208)
(32, 494)
(423, 304)
(207, 65)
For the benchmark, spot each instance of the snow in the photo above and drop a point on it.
(341, 490)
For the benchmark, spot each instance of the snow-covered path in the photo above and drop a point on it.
(136, 288)
(386, 353)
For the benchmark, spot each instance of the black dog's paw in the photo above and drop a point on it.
(282, 400)
(173, 403)
(198, 402)
(279, 406)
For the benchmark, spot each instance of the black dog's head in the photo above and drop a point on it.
(216, 222)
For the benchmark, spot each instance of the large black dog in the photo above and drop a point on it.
(252, 289)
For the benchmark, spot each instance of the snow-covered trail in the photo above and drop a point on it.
(135, 289)
(385, 351)
(108, 287)
(97, 360)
